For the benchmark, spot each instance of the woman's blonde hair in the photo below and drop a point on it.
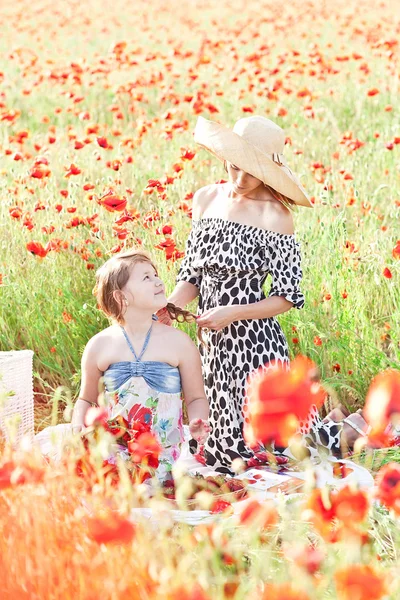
(113, 276)
(287, 202)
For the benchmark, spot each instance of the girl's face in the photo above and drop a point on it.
(243, 183)
(144, 289)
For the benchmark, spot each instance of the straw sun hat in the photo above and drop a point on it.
(255, 145)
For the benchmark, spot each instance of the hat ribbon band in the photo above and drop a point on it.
(276, 157)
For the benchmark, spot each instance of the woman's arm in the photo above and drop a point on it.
(184, 293)
(90, 385)
(221, 316)
(264, 309)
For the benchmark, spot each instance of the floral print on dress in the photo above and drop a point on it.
(162, 412)
(140, 413)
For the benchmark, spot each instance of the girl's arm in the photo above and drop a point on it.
(90, 385)
(193, 388)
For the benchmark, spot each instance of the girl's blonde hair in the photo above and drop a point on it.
(113, 276)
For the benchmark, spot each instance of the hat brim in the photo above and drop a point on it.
(228, 145)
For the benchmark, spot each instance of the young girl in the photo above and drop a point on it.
(139, 364)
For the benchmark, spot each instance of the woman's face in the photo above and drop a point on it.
(243, 183)
(144, 289)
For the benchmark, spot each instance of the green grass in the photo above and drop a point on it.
(35, 293)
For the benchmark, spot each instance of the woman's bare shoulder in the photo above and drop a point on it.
(280, 219)
(202, 199)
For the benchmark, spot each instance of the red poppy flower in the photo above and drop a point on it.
(308, 558)
(111, 528)
(187, 154)
(360, 582)
(145, 450)
(136, 428)
(67, 318)
(96, 415)
(12, 474)
(128, 216)
(260, 515)
(72, 170)
(383, 399)
(112, 202)
(169, 247)
(184, 593)
(39, 172)
(15, 212)
(387, 273)
(36, 248)
(279, 399)
(118, 427)
(102, 142)
(282, 591)
(351, 506)
(167, 230)
(322, 507)
(388, 486)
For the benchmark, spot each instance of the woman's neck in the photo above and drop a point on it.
(258, 194)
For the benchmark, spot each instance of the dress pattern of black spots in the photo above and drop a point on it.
(229, 263)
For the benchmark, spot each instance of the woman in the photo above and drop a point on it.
(242, 232)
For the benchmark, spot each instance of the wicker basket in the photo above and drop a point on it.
(16, 395)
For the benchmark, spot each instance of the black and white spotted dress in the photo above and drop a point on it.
(229, 262)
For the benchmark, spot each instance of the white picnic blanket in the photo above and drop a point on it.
(265, 480)
(262, 482)
(52, 439)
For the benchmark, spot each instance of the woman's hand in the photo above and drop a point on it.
(217, 318)
(199, 430)
(163, 316)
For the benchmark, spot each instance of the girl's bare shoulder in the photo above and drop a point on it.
(170, 331)
(174, 337)
(108, 335)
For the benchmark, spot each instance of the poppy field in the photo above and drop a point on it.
(98, 103)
